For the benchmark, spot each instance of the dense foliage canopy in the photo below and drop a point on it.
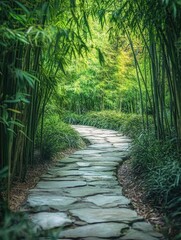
(83, 56)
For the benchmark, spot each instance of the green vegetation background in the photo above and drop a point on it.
(98, 63)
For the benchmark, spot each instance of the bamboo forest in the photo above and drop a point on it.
(80, 72)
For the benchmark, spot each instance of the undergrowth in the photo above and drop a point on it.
(109, 120)
(17, 226)
(57, 136)
(158, 164)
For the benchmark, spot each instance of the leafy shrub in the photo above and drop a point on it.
(133, 125)
(147, 152)
(159, 166)
(127, 123)
(164, 181)
(17, 226)
(104, 119)
(174, 213)
(57, 136)
(72, 118)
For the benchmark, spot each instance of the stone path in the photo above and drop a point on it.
(80, 197)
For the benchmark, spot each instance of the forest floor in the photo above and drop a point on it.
(131, 187)
(19, 190)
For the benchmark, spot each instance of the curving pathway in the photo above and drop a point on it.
(80, 197)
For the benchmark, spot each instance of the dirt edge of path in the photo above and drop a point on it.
(19, 190)
(133, 189)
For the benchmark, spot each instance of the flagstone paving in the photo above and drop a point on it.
(80, 197)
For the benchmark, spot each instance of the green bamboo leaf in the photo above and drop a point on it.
(61, 65)
(3, 121)
(72, 3)
(11, 32)
(86, 23)
(24, 134)
(12, 101)
(21, 97)
(20, 18)
(22, 7)
(174, 9)
(13, 110)
(11, 130)
(17, 123)
(101, 15)
(24, 100)
(74, 17)
(25, 76)
(101, 56)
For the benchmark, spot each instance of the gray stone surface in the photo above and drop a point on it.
(105, 184)
(100, 146)
(100, 177)
(102, 158)
(89, 152)
(143, 226)
(51, 200)
(89, 191)
(104, 230)
(138, 235)
(123, 215)
(108, 201)
(97, 169)
(83, 164)
(60, 184)
(80, 196)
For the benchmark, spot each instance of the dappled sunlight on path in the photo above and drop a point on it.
(80, 197)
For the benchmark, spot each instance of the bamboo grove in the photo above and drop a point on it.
(35, 39)
(39, 38)
(158, 25)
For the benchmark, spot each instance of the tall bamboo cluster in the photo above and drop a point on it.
(158, 25)
(21, 90)
(37, 39)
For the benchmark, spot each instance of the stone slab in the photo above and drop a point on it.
(105, 184)
(108, 201)
(83, 164)
(99, 178)
(143, 226)
(51, 199)
(97, 169)
(147, 228)
(138, 235)
(68, 178)
(71, 159)
(77, 173)
(123, 215)
(103, 163)
(89, 191)
(60, 184)
(103, 158)
(103, 230)
(98, 146)
(88, 152)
